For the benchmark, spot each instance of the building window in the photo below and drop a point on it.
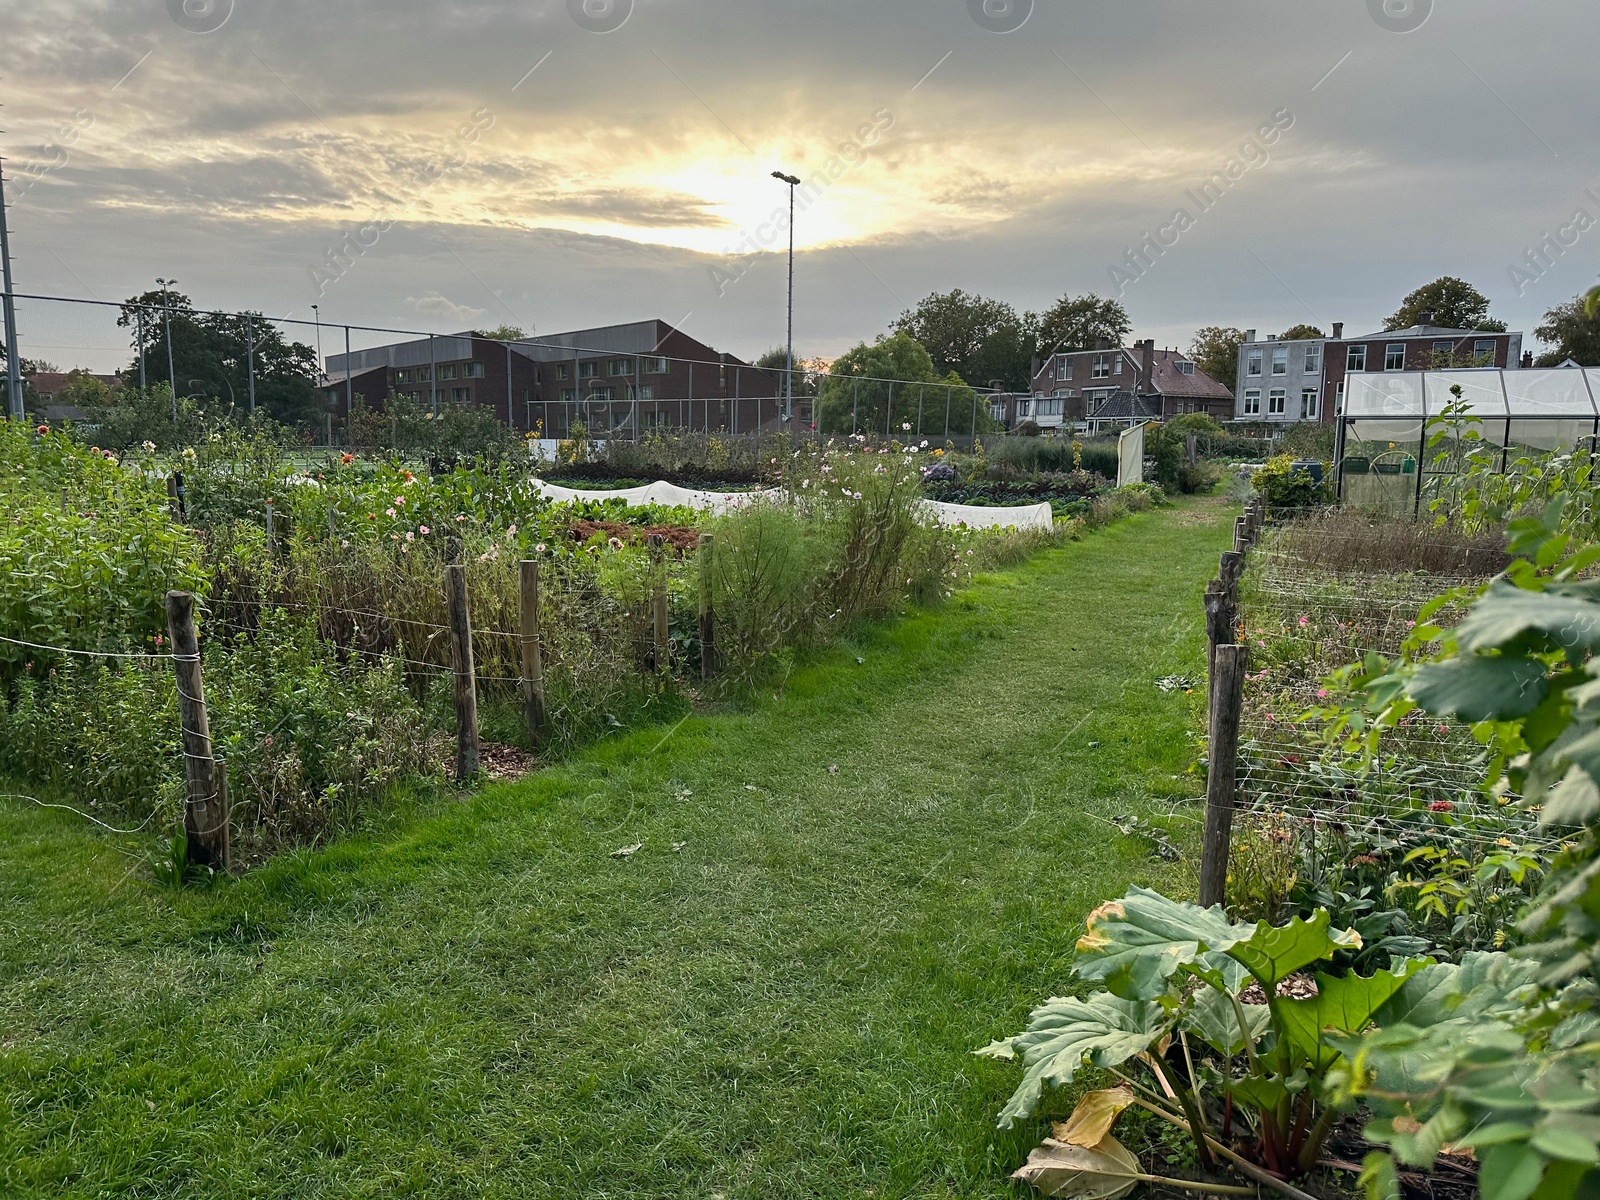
(588, 370)
(1277, 402)
(1394, 356)
(1184, 368)
(1102, 366)
(1308, 404)
(620, 366)
(472, 370)
(568, 395)
(1024, 408)
(1116, 366)
(1483, 352)
(448, 371)
(1063, 368)
(1252, 402)
(602, 395)
(654, 366)
(1253, 364)
(561, 371)
(461, 395)
(1313, 360)
(646, 392)
(997, 410)
(1355, 358)
(402, 376)
(1338, 397)
(1050, 407)
(424, 374)
(1280, 360)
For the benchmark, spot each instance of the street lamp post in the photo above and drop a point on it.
(166, 320)
(793, 181)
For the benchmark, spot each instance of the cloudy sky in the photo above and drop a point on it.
(557, 164)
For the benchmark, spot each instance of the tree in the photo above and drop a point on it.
(1296, 333)
(1453, 303)
(211, 356)
(1573, 331)
(978, 338)
(504, 333)
(881, 388)
(776, 361)
(1215, 350)
(1079, 324)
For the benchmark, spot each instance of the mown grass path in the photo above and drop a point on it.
(485, 1003)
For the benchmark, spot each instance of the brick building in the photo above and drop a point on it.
(1112, 387)
(616, 379)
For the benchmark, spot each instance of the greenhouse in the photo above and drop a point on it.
(1381, 455)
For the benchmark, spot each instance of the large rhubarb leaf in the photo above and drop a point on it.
(1509, 616)
(1136, 944)
(1477, 687)
(1066, 1031)
(1340, 1008)
(1482, 983)
(1272, 955)
(1211, 1015)
(1103, 1172)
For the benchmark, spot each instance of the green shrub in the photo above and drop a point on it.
(1284, 485)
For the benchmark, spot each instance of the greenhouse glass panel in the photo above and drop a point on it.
(1391, 396)
(1548, 434)
(1480, 391)
(1558, 392)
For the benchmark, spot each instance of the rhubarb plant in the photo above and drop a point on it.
(1171, 1017)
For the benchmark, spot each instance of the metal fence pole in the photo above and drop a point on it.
(855, 404)
(349, 382)
(433, 375)
(139, 317)
(511, 398)
(250, 357)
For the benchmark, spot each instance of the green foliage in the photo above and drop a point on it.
(973, 338)
(1285, 485)
(1453, 303)
(1079, 323)
(1215, 351)
(879, 390)
(1572, 331)
(1516, 1082)
(1297, 333)
(1174, 971)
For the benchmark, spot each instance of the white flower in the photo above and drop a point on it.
(905, 426)
(149, 447)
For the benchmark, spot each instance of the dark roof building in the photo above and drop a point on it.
(1114, 387)
(615, 379)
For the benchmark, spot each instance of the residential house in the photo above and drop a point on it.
(1304, 379)
(611, 379)
(1115, 387)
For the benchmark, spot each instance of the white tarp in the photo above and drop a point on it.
(1130, 456)
(974, 516)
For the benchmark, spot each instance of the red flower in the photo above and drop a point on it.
(347, 459)
(1441, 806)
(1365, 860)
(43, 429)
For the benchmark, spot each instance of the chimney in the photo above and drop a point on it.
(1272, 337)
(1102, 344)
(1527, 359)
(1033, 371)
(1147, 367)
(1338, 331)
(1249, 335)
(1425, 319)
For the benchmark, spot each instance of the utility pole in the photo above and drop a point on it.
(13, 362)
(788, 376)
(166, 317)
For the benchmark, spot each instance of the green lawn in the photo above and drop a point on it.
(484, 1002)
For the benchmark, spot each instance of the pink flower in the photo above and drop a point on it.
(1441, 806)
(410, 537)
(423, 530)
(399, 499)
(1304, 621)
(512, 531)
(388, 512)
(42, 430)
(1322, 693)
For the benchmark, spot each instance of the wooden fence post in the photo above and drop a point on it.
(205, 811)
(465, 683)
(661, 646)
(708, 622)
(532, 652)
(1241, 534)
(1227, 704)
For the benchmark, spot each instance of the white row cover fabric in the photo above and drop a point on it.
(1130, 456)
(974, 516)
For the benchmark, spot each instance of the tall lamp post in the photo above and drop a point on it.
(166, 320)
(788, 376)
